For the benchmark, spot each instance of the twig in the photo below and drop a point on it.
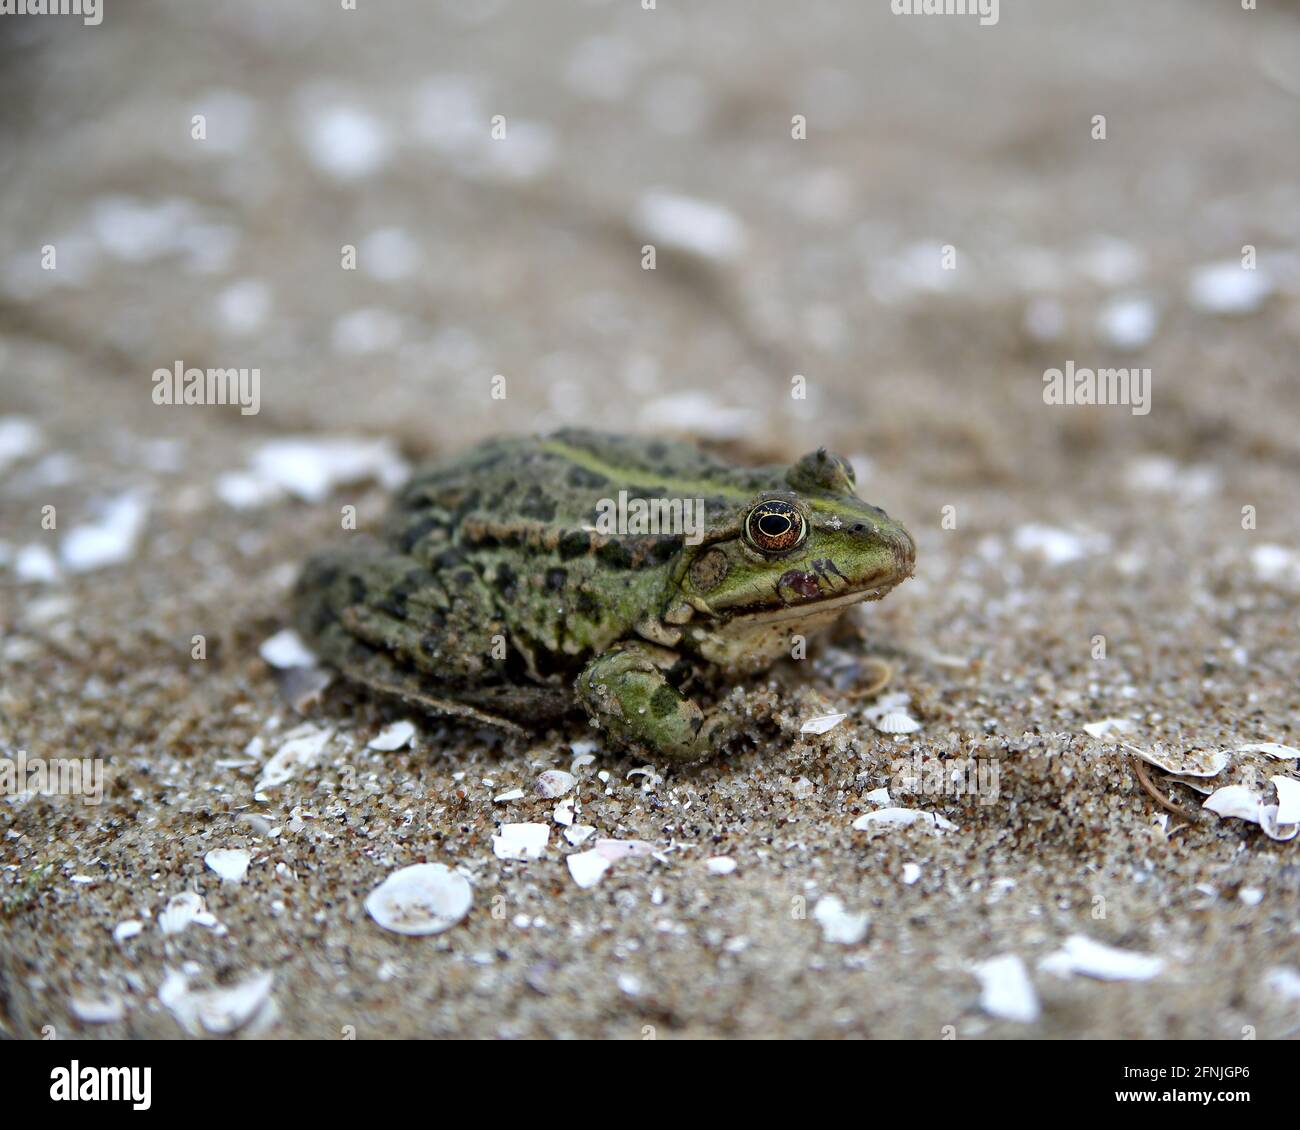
(1163, 801)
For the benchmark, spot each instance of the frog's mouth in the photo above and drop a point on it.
(808, 608)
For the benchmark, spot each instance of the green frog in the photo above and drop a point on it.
(531, 575)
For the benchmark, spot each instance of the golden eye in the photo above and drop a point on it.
(775, 527)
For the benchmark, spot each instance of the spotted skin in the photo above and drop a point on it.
(492, 591)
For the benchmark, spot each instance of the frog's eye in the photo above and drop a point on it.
(775, 527)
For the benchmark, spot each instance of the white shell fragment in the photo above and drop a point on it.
(898, 722)
(821, 723)
(230, 863)
(124, 931)
(392, 737)
(521, 841)
(720, 865)
(108, 541)
(1107, 726)
(1105, 963)
(508, 795)
(1274, 829)
(615, 850)
(1184, 763)
(1235, 800)
(911, 873)
(579, 833)
(1272, 749)
(839, 925)
(216, 1010)
(901, 817)
(587, 867)
(301, 750)
(1006, 990)
(181, 910)
(687, 224)
(425, 898)
(555, 783)
(104, 1009)
(1227, 287)
(285, 649)
(1288, 799)
(1283, 982)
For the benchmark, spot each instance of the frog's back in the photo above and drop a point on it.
(548, 488)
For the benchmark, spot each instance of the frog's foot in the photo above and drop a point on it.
(628, 693)
(884, 674)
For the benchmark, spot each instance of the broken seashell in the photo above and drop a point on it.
(1006, 990)
(425, 898)
(1107, 726)
(230, 863)
(555, 783)
(901, 817)
(1281, 752)
(587, 867)
(821, 723)
(1105, 963)
(392, 737)
(839, 925)
(1235, 800)
(1274, 829)
(1185, 763)
(521, 841)
(1288, 799)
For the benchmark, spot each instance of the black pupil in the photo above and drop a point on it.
(774, 525)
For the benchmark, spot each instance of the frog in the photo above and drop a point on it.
(506, 586)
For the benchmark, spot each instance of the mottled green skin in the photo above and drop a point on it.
(490, 593)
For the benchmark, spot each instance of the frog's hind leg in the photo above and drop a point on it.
(373, 669)
(347, 607)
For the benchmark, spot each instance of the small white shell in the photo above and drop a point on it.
(181, 910)
(896, 722)
(392, 737)
(1235, 800)
(901, 817)
(821, 723)
(1288, 799)
(1281, 752)
(838, 924)
(521, 841)
(1273, 828)
(97, 1010)
(1107, 726)
(1186, 763)
(426, 898)
(587, 867)
(1104, 963)
(555, 783)
(230, 863)
(285, 649)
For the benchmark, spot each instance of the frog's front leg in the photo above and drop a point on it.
(627, 691)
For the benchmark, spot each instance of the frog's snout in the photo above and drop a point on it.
(904, 550)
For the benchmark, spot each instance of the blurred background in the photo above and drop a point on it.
(384, 209)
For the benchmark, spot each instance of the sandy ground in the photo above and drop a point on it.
(1046, 533)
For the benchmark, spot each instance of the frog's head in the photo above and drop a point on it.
(794, 553)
